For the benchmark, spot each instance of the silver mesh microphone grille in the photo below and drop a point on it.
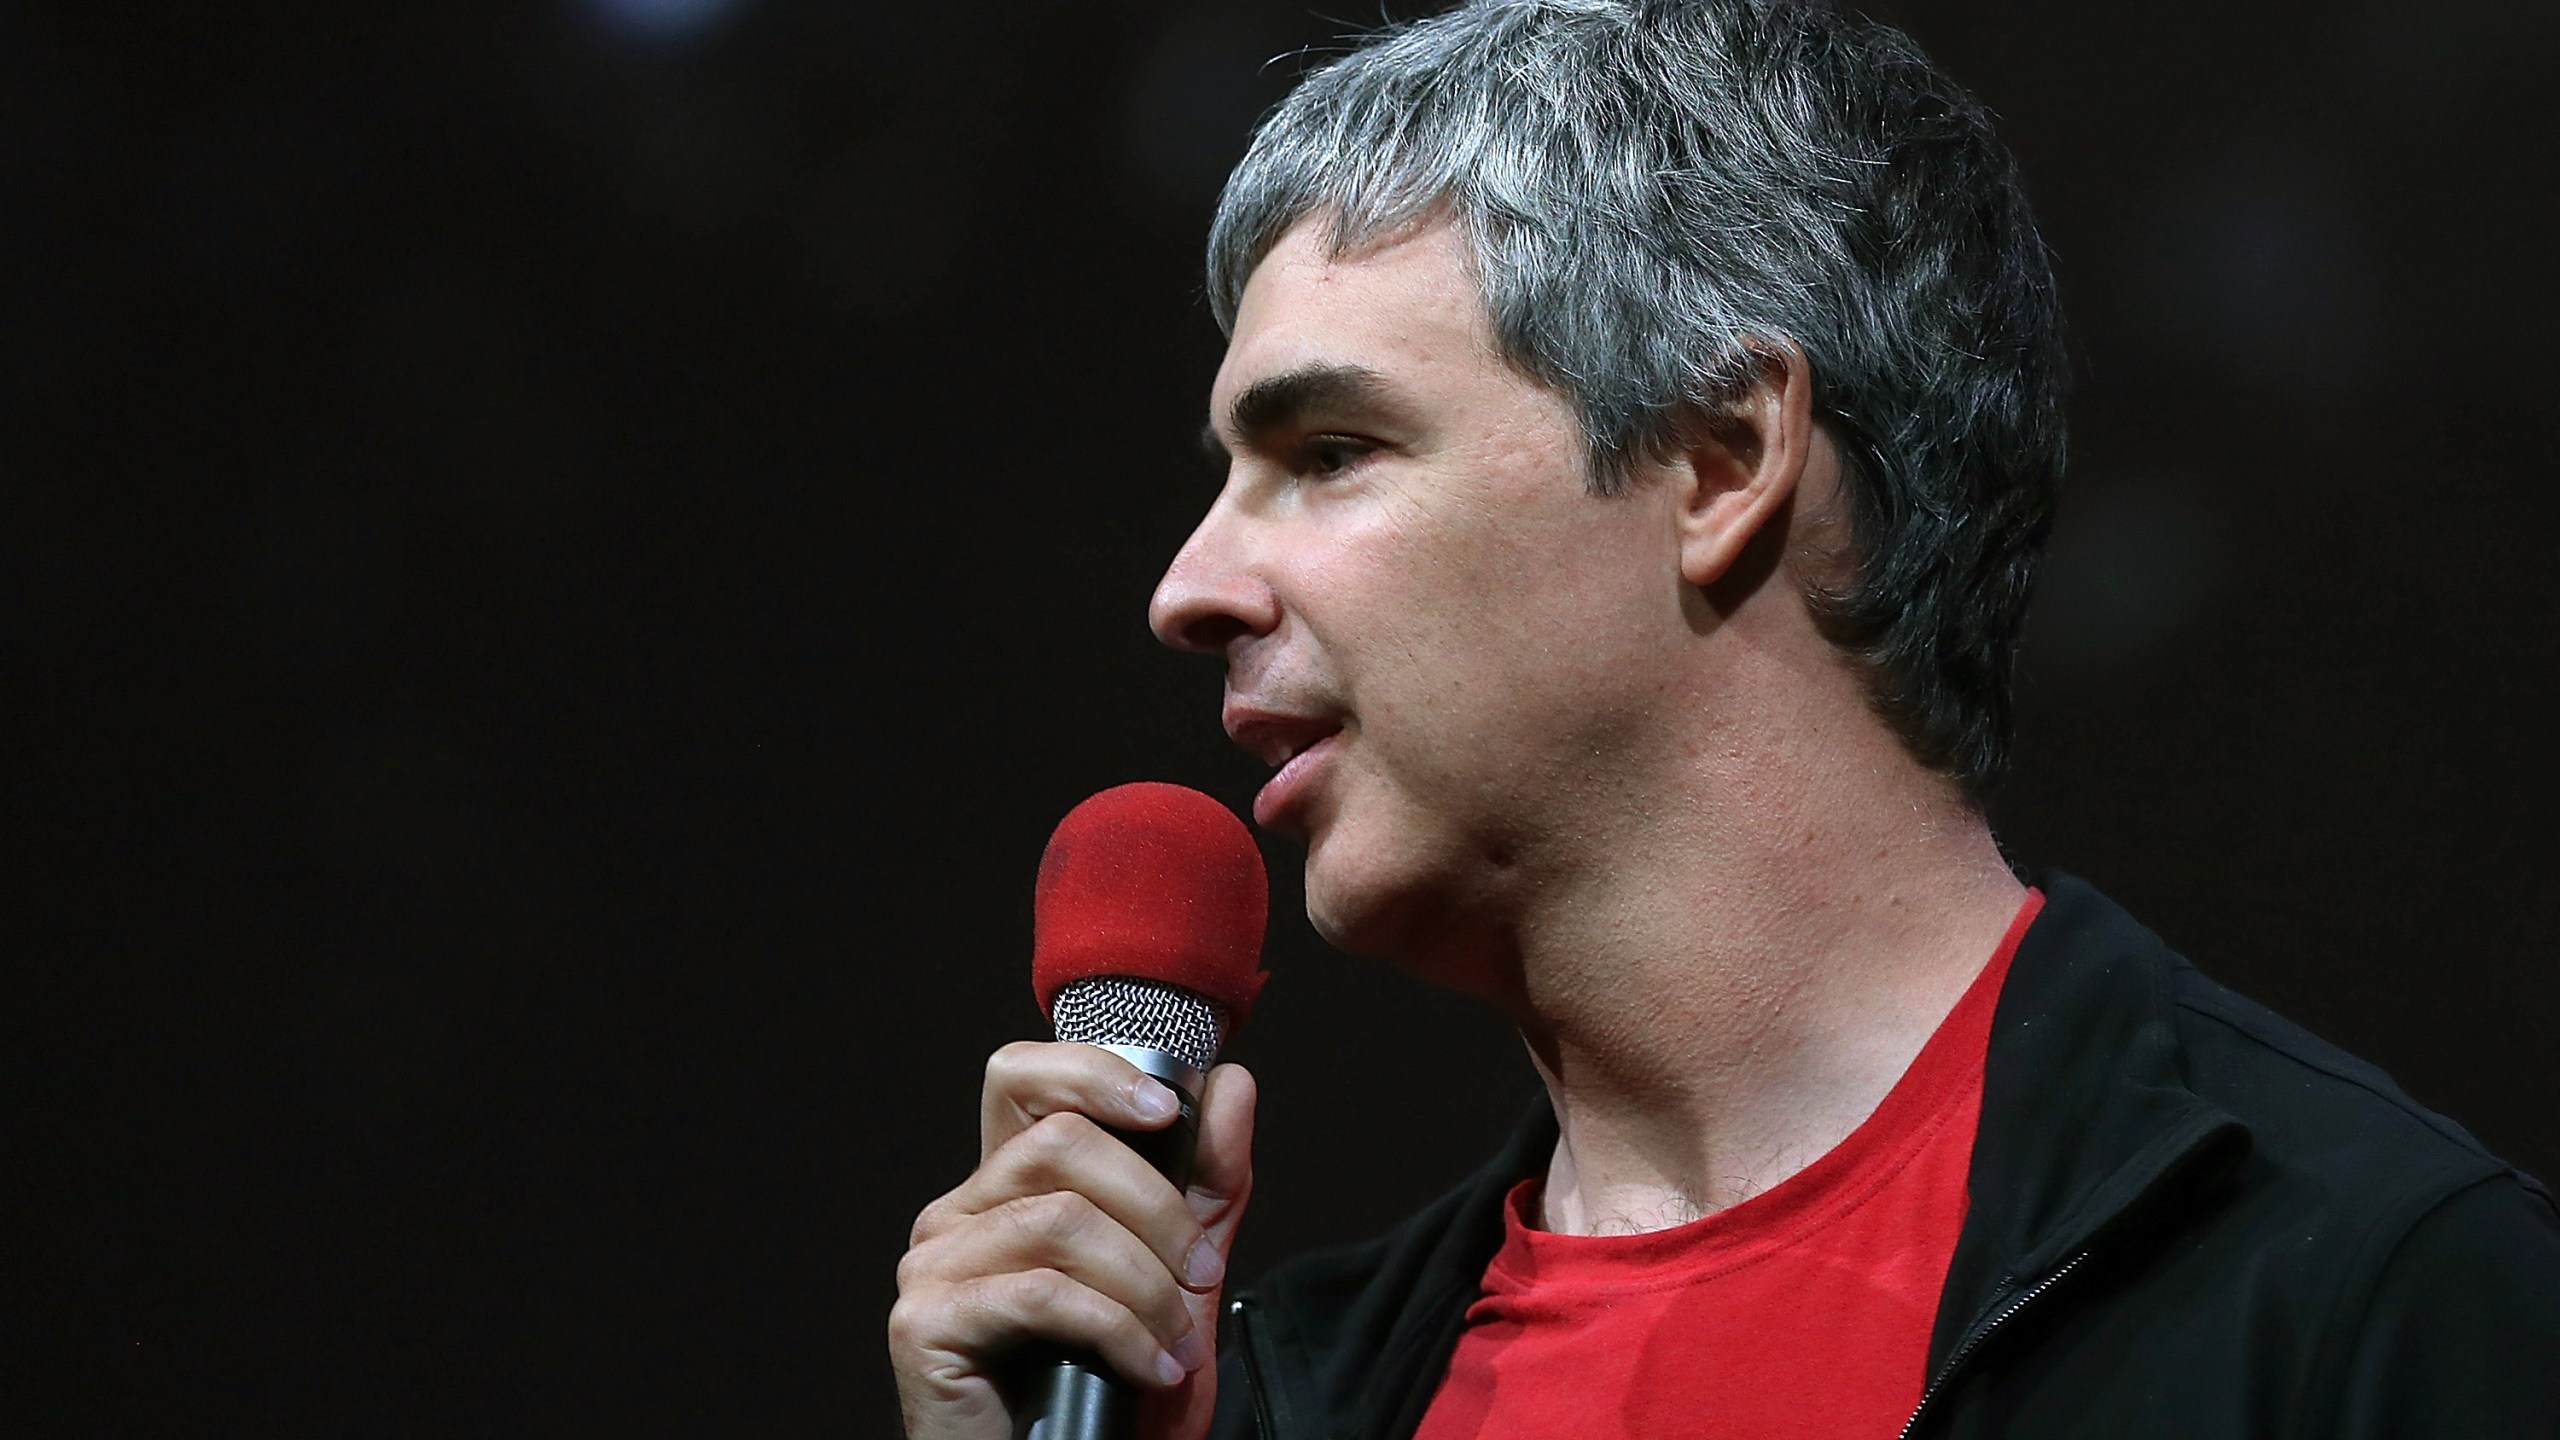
(1148, 1014)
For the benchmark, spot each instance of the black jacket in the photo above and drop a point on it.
(2189, 1218)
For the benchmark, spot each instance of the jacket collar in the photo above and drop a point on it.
(1356, 1348)
(2087, 1125)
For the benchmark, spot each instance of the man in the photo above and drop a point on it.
(1643, 419)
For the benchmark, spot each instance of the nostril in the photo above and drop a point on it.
(1209, 620)
(1211, 633)
(1211, 597)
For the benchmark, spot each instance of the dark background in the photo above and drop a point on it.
(562, 559)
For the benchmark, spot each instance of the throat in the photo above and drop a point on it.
(1607, 1186)
(1687, 1093)
(1627, 1214)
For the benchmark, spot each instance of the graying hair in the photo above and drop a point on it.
(1652, 194)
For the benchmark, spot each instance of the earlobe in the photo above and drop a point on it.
(1740, 468)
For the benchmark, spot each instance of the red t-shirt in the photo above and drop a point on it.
(1804, 1310)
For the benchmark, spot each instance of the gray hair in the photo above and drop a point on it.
(1654, 192)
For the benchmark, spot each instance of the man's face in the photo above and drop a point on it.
(1456, 655)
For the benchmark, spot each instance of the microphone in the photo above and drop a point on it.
(1146, 925)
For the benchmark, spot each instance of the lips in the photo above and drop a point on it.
(1276, 737)
(1296, 744)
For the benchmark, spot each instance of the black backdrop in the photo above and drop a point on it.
(563, 558)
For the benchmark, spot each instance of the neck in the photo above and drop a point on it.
(1721, 998)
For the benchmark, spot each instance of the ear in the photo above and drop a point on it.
(1739, 468)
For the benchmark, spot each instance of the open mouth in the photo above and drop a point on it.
(1283, 798)
(1293, 745)
(1278, 739)
(1281, 754)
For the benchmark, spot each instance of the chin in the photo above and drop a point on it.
(1349, 918)
(1378, 895)
(1401, 890)
(1355, 897)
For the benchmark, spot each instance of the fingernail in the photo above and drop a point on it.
(1169, 1370)
(1192, 1352)
(1202, 1267)
(1153, 1101)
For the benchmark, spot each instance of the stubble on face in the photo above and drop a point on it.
(1484, 625)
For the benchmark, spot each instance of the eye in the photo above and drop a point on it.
(1323, 457)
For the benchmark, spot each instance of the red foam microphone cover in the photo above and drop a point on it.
(1157, 881)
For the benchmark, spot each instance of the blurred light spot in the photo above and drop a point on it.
(2288, 291)
(660, 22)
(2269, 266)
(2134, 560)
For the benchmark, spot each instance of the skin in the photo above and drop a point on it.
(1585, 758)
(1063, 1233)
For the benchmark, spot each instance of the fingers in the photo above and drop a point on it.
(991, 1314)
(1066, 1233)
(1069, 1153)
(1029, 1081)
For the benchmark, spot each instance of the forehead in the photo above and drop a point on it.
(1406, 308)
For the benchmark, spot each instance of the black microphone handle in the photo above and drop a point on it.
(1064, 1394)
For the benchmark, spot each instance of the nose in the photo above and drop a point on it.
(1212, 595)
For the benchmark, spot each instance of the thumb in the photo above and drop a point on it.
(1221, 1180)
(1222, 1165)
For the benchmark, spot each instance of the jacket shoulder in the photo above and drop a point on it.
(2330, 1258)
(2311, 1105)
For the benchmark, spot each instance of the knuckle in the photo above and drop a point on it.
(1130, 1333)
(931, 1221)
(1055, 1303)
(1015, 1067)
(912, 1322)
(914, 1272)
(1081, 1308)
(1051, 1145)
(1058, 1218)
(1047, 1293)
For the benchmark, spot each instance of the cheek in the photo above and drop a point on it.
(1545, 604)
(1461, 635)
(1407, 609)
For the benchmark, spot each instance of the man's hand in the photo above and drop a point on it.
(1064, 1234)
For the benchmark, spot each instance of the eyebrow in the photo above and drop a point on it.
(1276, 401)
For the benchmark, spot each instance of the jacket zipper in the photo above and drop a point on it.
(1249, 1350)
(1982, 1332)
